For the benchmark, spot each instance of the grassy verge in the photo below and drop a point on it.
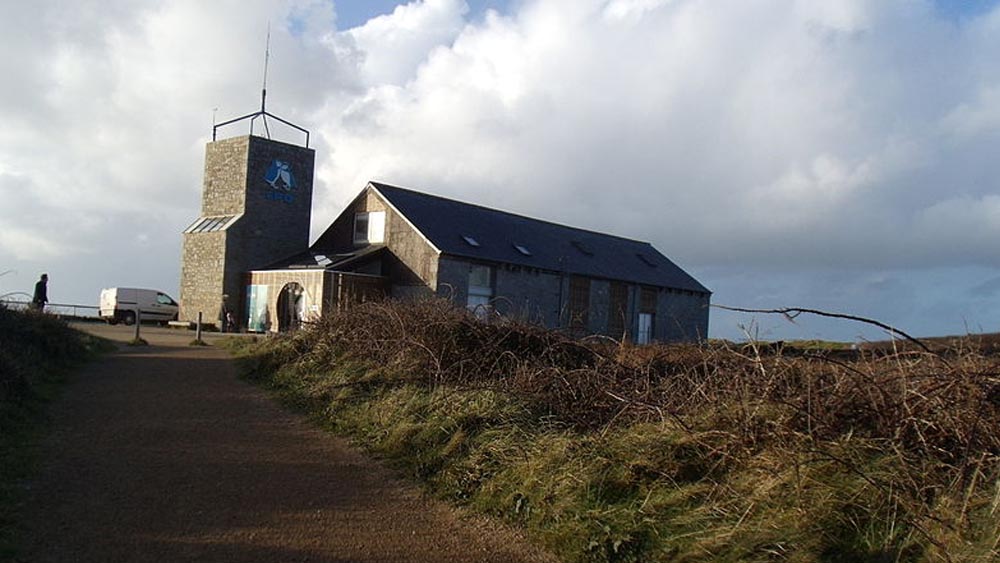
(662, 453)
(36, 354)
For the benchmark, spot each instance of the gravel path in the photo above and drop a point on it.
(162, 454)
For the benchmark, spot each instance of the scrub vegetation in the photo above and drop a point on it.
(36, 353)
(604, 451)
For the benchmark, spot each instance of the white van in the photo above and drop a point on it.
(121, 303)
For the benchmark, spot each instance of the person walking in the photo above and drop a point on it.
(224, 315)
(41, 296)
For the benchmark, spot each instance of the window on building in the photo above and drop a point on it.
(647, 300)
(361, 227)
(369, 227)
(644, 334)
(522, 249)
(471, 241)
(617, 309)
(647, 315)
(480, 289)
(579, 304)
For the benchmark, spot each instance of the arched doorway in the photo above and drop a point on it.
(291, 305)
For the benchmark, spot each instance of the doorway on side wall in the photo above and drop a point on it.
(291, 305)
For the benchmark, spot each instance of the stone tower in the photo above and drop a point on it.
(255, 209)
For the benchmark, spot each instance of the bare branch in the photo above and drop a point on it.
(791, 312)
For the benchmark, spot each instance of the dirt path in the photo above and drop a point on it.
(162, 454)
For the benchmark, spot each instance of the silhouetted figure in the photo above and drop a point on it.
(225, 316)
(41, 296)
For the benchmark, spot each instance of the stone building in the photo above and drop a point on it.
(255, 209)
(251, 243)
(401, 243)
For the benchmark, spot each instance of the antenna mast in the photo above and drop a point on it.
(263, 88)
(262, 114)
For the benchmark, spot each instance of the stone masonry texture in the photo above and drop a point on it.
(274, 222)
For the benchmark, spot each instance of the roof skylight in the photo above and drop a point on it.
(645, 260)
(209, 224)
(584, 249)
(471, 241)
(522, 249)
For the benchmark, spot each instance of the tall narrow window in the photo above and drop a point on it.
(646, 322)
(617, 309)
(480, 289)
(579, 304)
(644, 334)
(361, 227)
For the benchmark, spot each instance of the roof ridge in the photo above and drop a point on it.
(510, 213)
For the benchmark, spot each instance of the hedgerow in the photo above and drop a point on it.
(607, 451)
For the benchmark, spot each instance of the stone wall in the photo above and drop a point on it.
(681, 316)
(414, 267)
(525, 294)
(541, 297)
(202, 259)
(528, 294)
(223, 185)
(412, 263)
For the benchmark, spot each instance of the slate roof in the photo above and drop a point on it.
(472, 231)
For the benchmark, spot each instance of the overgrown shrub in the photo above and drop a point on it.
(610, 451)
(928, 404)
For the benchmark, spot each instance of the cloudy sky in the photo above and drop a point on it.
(843, 156)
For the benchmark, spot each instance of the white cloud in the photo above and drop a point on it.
(630, 9)
(978, 116)
(29, 245)
(778, 136)
(394, 45)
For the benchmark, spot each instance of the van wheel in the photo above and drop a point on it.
(112, 320)
(128, 317)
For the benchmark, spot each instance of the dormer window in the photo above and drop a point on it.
(369, 227)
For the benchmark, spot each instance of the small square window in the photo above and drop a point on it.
(369, 227)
